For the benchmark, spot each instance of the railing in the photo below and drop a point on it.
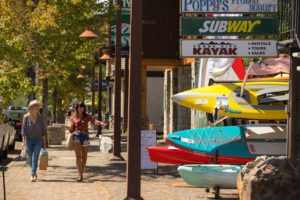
(285, 20)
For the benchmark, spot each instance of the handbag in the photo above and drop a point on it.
(69, 142)
(44, 160)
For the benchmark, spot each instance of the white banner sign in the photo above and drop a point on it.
(148, 138)
(228, 48)
(229, 6)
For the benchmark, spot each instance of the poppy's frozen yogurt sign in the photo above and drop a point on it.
(228, 48)
(229, 6)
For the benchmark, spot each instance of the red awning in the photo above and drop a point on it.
(272, 66)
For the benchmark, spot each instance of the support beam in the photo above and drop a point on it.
(161, 62)
(167, 103)
(117, 99)
(294, 99)
(126, 95)
(294, 111)
(99, 131)
(93, 89)
(133, 171)
(144, 97)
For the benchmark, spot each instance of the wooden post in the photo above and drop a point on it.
(93, 89)
(126, 96)
(144, 97)
(294, 98)
(133, 171)
(99, 131)
(117, 99)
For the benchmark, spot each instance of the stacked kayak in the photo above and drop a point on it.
(176, 156)
(211, 149)
(259, 100)
(173, 155)
(240, 144)
(222, 176)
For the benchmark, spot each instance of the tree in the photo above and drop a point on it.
(45, 37)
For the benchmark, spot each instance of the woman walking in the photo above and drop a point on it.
(34, 135)
(79, 128)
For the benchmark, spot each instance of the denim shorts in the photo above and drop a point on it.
(84, 139)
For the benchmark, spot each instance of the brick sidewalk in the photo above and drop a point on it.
(103, 180)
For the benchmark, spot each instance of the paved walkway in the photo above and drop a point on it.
(103, 180)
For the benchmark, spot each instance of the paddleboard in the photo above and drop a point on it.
(232, 142)
(260, 100)
(204, 176)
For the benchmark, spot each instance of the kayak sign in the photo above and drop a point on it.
(228, 48)
(228, 6)
(229, 26)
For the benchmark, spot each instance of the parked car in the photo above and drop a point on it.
(14, 117)
(7, 139)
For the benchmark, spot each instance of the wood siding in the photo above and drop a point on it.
(161, 29)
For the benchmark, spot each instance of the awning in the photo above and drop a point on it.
(272, 66)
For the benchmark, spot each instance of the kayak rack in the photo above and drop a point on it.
(216, 192)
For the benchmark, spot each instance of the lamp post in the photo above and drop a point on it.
(87, 34)
(81, 77)
(105, 57)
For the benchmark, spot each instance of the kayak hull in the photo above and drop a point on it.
(173, 155)
(260, 100)
(222, 176)
(177, 156)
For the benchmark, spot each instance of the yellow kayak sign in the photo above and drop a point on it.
(229, 26)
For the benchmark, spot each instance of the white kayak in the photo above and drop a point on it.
(206, 176)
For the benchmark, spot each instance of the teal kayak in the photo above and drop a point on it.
(205, 176)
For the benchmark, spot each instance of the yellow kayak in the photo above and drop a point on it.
(260, 100)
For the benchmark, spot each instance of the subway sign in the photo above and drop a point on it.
(229, 6)
(229, 26)
(228, 48)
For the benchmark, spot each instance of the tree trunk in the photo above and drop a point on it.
(32, 75)
(54, 100)
(45, 99)
(60, 112)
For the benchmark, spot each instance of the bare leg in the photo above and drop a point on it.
(84, 152)
(77, 149)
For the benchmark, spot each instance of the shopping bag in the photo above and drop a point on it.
(23, 154)
(44, 160)
(69, 142)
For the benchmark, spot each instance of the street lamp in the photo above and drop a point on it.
(87, 34)
(105, 57)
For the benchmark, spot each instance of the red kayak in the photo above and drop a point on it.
(173, 155)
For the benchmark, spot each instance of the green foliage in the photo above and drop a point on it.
(47, 36)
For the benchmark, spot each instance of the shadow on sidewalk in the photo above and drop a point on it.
(57, 180)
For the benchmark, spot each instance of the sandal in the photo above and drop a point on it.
(80, 178)
(32, 179)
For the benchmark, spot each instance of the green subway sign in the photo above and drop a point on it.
(223, 26)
